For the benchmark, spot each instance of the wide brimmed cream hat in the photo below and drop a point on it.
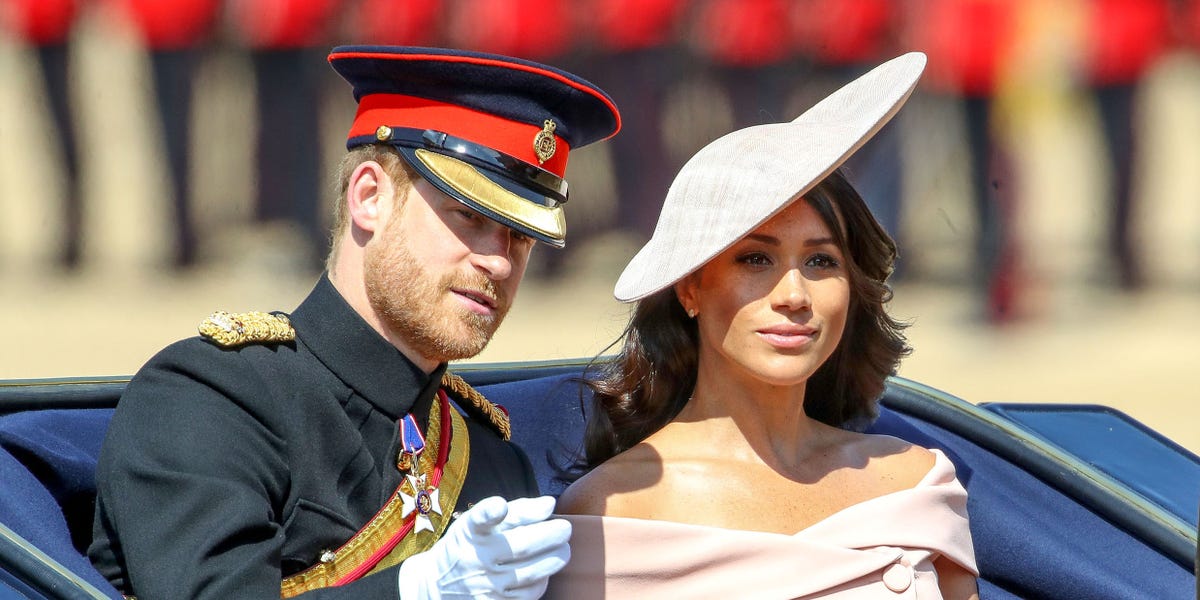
(742, 179)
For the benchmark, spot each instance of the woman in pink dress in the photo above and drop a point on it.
(723, 455)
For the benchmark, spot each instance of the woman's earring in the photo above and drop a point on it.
(691, 313)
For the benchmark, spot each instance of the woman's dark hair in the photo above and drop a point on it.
(651, 379)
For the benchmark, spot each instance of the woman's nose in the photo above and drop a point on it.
(791, 292)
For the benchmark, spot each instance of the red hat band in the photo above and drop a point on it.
(519, 140)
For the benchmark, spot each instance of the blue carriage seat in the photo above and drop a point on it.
(1032, 539)
(48, 470)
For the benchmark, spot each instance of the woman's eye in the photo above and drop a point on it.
(823, 261)
(756, 259)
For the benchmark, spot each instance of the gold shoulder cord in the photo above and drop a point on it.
(463, 390)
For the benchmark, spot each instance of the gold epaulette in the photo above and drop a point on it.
(462, 389)
(230, 330)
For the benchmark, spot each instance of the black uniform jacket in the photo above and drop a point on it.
(225, 470)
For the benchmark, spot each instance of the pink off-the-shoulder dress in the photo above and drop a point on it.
(880, 548)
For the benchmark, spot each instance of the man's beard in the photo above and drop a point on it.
(412, 304)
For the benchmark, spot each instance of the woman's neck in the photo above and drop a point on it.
(746, 418)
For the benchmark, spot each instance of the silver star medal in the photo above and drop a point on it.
(424, 501)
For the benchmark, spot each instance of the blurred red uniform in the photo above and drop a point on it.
(40, 22)
(1125, 38)
(841, 32)
(538, 30)
(745, 32)
(284, 23)
(968, 43)
(288, 40)
(171, 24)
(637, 59)
(45, 25)
(842, 39)
(748, 45)
(175, 32)
(398, 22)
(1187, 21)
(620, 25)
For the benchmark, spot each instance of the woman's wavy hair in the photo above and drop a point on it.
(652, 377)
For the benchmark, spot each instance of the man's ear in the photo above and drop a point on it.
(369, 187)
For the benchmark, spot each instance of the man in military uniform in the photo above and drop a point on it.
(328, 452)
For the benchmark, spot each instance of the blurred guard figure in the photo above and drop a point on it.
(968, 43)
(286, 39)
(45, 25)
(1125, 39)
(327, 447)
(742, 40)
(844, 39)
(174, 33)
(638, 59)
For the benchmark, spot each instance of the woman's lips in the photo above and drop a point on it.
(788, 335)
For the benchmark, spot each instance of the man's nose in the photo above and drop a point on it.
(493, 253)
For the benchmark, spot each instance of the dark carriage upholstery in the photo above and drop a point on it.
(48, 470)
(1031, 540)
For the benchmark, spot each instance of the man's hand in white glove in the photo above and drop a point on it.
(497, 549)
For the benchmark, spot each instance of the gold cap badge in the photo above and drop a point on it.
(544, 144)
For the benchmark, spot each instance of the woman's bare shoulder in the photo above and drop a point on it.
(905, 462)
(586, 495)
(594, 493)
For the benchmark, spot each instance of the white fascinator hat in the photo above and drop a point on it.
(742, 179)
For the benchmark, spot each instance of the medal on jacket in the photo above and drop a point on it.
(419, 495)
(412, 443)
(434, 466)
(423, 500)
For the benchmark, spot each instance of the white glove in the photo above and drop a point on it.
(497, 549)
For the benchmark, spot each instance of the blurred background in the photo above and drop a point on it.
(161, 159)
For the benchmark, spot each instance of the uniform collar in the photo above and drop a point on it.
(358, 355)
